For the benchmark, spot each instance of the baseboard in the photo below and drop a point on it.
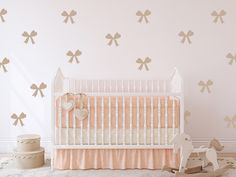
(7, 145)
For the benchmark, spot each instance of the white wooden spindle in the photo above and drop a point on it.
(158, 86)
(137, 120)
(89, 119)
(102, 122)
(130, 119)
(123, 118)
(152, 128)
(166, 120)
(117, 117)
(67, 123)
(109, 118)
(159, 120)
(145, 120)
(173, 116)
(95, 120)
(152, 86)
(74, 118)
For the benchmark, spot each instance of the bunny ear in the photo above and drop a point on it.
(64, 13)
(109, 36)
(139, 13)
(69, 53)
(78, 52)
(25, 34)
(33, 86)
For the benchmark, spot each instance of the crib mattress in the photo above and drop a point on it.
(67, 119)
(73, 136)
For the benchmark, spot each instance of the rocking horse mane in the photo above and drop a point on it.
(214, 143)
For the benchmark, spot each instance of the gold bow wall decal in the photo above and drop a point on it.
(29, 36)
(18, 118)
(205, 85)
(38, 89)
(143, 16)
(3, 12)
(218, 16)
(74, 55)
(231, 57)
(69, 16)
(113, 38)
(186, 36)
(3, 63)
(230, 121)
(187, 114)
(143, 63)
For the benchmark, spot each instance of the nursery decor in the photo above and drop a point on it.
(3, 64)
(69, 16)
(116, 119)
(29, 36)
(74, 55)
(231, 57)
(113, 38)
(186, 36)
(143, 16)
(231, 121)
(38, 89)
(28, 153)
(143, 63)
(18, 119)
(184, 143)
(2, 13)
(218, 16)
(205, 86)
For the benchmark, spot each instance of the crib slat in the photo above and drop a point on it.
(81, 131)
(137, 120)
(117, 117)
(159, 121)
(130, 120)
(89, 119)
(109, 117)
(145, 120)
(102, 122)
(166, 120)
(173, 116)
(95, 120)
(123, 118)
(74, 118)
(152, 128)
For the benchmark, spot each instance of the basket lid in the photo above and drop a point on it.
(28, 136)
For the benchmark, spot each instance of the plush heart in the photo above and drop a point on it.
(81, 114)
(68, 105)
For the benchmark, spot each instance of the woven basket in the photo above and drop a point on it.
(28, 142)
(25, 160)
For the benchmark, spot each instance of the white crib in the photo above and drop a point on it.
(122, 114)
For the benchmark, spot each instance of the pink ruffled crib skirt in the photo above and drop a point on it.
(114, 158)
